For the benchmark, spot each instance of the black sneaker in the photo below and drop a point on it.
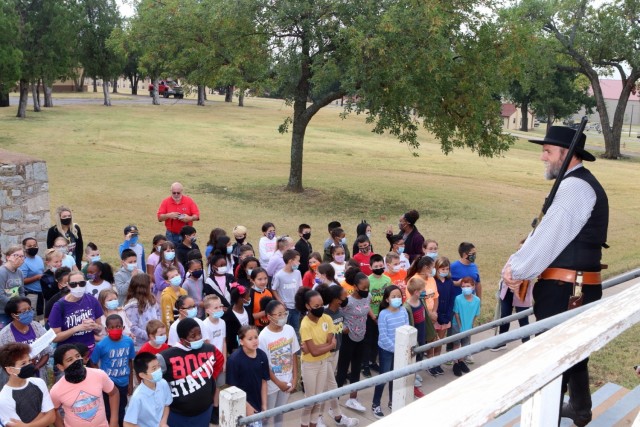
(457, 371)
(439, 369)
(464, 368)
(433, 372)
(390, 406)
(366, 372)
(499, 347)
(375, 367)
(377, 411)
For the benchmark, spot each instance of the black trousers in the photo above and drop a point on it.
(350, 354)
(370, 343)
(552, 297)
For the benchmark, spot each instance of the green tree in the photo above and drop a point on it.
(591, 38)
(122, 42)
(10, 54)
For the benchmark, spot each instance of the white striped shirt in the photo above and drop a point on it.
(569, 212)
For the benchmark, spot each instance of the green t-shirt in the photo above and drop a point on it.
(376, 289)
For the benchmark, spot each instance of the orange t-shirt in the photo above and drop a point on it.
(400, 280)
(257, 296)
(431, 289)
(347, 287)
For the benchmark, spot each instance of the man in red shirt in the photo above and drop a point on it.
(177, 211)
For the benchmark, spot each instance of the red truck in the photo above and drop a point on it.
(166, 88)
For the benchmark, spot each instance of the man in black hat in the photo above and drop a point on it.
(566, 244)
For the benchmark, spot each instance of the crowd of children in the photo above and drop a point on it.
(152, 344)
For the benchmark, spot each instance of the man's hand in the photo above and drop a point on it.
(507, 277)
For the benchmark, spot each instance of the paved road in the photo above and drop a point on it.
(115, 100)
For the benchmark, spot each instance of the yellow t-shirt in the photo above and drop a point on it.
(317, 332)
(168, 299)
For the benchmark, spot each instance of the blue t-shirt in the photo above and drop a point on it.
(459, 271)
(146, 406)
(467, 310)
(388, 322)
(247, 374)
(114, 357)
(32, 267)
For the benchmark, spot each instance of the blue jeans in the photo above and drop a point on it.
(293, 320)
(386, 365)
(173, 237)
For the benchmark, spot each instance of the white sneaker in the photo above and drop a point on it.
(419, 378)
(417, 383)
(355, 405)
(348, 422)
(469, 360)
(331, 414)
(320, 422)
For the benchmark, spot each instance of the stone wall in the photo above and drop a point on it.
(24, 199)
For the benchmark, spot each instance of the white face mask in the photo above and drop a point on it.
(77, 291)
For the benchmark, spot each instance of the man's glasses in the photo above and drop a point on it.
(175, 193)
(81, 283)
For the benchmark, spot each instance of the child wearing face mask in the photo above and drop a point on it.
(149, 403)
(131, 236)
(338, 263)
(446, 299)
(154, 256)
(157, 334)
(279, 342)
(171, 295)
(395, 272)
(466, 309)
(309, 279)
(214, 333)
(378, 282)
(108, 300)
(339, 241)
(62, 245)
(237, 315)
(268, 242)
(391, 317)
(194, 283)
(191, 406)
(99, 277)
(167, 260)
(259, 291)
(397, 247)
(128, 269)
(286, 283)
(363, 256)
(248, 369)
(186, 308)
(114, 355)
(220, 279)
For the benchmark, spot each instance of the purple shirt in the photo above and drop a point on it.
(160, 283)
(27, 338)
(66, 315)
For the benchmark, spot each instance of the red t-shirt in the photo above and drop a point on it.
(309, 279)
(363, 262)
(186, 206)
(148, 348)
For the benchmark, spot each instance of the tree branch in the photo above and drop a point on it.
(323, 102)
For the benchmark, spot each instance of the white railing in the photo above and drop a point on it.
(532, 371)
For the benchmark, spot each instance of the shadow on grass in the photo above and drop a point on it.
(325, 202)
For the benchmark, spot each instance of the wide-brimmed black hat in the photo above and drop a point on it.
(562, 136)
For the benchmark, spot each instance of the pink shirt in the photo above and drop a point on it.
(82, 403)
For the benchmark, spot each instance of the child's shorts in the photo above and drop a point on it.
(463, 342)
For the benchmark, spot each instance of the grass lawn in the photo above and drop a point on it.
(113, 166)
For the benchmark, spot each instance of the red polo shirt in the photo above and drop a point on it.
(186, 206)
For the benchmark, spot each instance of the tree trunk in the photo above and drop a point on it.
(134, 84)
(524, 112)
(24, 97)
(229, 95)
(155, 98)
(300, 123)
(36, 100)
(48, 98)
(105, 91)
(4, 97)
(95, 84)
(241, 97)
(201, 95)
(115, 86)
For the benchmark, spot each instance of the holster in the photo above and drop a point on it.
(575, 300)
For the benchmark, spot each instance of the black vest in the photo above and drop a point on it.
(584, 253)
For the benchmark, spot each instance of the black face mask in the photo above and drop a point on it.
(76, 372)
(197, 274)
(363, 294)
(240, 241)
(317, 312)
(32, 252)
(344, 303)
(27, 371)
(65, 221)
(378, 271)
(306, 236)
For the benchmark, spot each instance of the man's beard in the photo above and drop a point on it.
(552, 170)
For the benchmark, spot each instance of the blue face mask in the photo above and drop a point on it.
(217, 314)
(467, 291)
(95, 258)
(175, 281)
(433, 272)
(246, 303)
(161, 339)
(133, 241)
(192, 312)
(26, 318)
(132, 266)
(169, 256)
(111, 305)
(432, 255)
(343, 240)
(156, 375)
(229, 250)
(196, 345)
(423, 294)
(249, 271)
(395, 302)
(443, 275)
(401, 250)
(295, 267)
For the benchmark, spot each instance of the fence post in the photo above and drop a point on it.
(406, 338)
(543, 407)
(233, 405)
